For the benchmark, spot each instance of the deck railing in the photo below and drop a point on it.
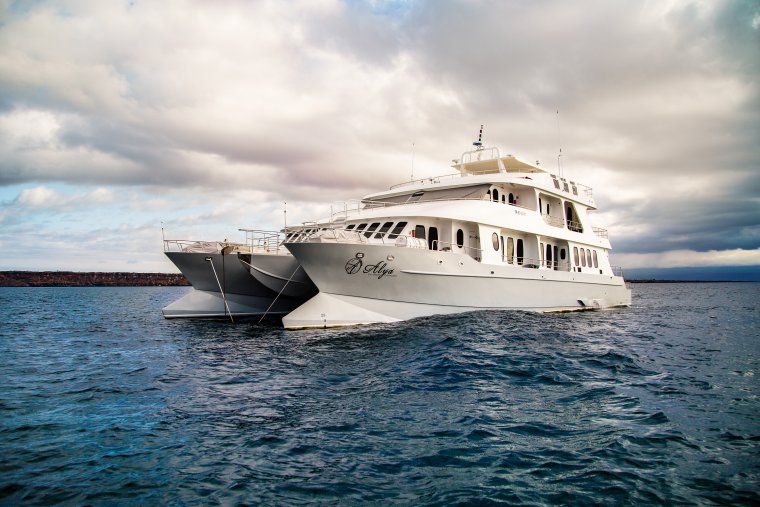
(600, 232)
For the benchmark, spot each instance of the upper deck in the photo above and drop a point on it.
(488, 166)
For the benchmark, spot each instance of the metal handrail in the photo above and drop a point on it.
(181, 245)
(600, 232)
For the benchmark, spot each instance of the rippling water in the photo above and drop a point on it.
(103, 401)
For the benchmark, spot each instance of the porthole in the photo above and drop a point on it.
(495, 241)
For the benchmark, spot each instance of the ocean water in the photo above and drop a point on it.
(102, 401)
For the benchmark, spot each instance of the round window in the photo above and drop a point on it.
(495, 239)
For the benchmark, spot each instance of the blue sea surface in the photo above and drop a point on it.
(102, 401)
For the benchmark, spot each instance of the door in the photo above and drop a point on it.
(433, 238)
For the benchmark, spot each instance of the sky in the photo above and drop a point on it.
(119, 117)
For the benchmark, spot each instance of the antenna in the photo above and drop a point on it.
(285, 215)
(559, 145)
(162, 233)
(412, 178)
(479, 143)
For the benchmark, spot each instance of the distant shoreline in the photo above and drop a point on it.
(126, 279)
(89, 279)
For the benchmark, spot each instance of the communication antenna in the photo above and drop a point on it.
(479, 143)
(412, 178)
(285, 215)
(559, 145)
(162, 232)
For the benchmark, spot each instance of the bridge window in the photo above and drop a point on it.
(419, 231)
(510, 250)
(415, 196)
(350, 226)
(556, 183)
(397, 230)
(520, 251)
(460, 238)
(371, 229)
(596, 260)
(565, 187)
(495, 241)
(575, 189)
(386, 226)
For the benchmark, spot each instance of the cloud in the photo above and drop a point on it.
(685, 258)
(178, 106)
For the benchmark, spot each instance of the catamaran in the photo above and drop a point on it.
(499, 233)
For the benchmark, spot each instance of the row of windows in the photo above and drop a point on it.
(493, 195)
(508, 250)
(585, 257)
(381, 231)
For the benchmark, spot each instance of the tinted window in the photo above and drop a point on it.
(555, 257)
(548, 256)
(583, 257)
(495, 195)
(360, 227)
(385, 228)
(564, 184)
(562, 254)
(575, 256)
(419, 231)
(596, 260)
(460, 238)
(510, 249)
(351, 226)
(556, 183)
(575, 190)
(397, 230)
(495, 241)
(511, 198)
(588, 258)
(519, 251)
(371, 228)
(541, 257)
(433, 238)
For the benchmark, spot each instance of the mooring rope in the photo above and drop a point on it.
(279, 293)
(224, 298)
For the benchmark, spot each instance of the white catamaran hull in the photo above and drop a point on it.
(245, 295)
(363, 284)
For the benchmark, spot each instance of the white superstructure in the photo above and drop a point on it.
(497, 234)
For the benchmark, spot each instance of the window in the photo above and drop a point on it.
(415, 197)
(575, 256)
(495, 195)
(588, 258)
(360, 227)
(503, 199)
(566, 188)
(350, 226)
(541, 257)
(511, 198)
(510, 250)
(583, 257)
(548, 212)
(489, 194)
(397, 230)
(419, 231)
(385, 228)
(371, 229)
(433, 238)
(596, 260)
(575, 189)
(460, 238)
(549, 256)
(503, 251)
(562, 254)
(540, 206)
(556, 183)
(520, 251)
(495, 241)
